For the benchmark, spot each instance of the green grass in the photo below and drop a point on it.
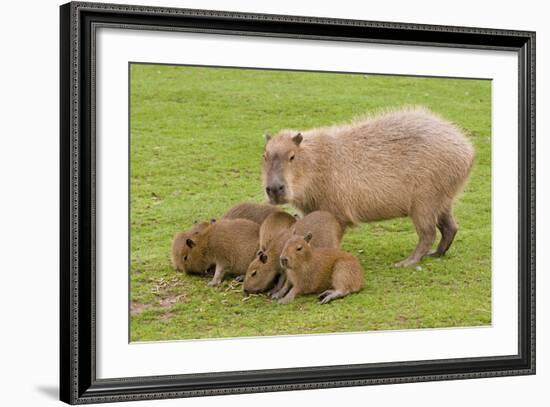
(196, 146)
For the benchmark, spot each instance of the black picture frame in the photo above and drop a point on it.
(78, 382)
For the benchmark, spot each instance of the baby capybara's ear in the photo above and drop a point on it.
(267, 137)
(259, 253)
(213, 220)
(308, 237)
(263, 258)
(297, 139)
(190, 243)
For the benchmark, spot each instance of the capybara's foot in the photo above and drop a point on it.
(330, 295)
(285, 300)
(407, 262)
(277, 295)
(324, 294)
(240, 278)
(284, 290)
(289, 296)
(435, 253)
(213, 283)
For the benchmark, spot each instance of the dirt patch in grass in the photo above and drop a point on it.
(136, 308)
(167, 302)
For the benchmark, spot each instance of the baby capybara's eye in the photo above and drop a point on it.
(299, 248)
(291, 158)
(253, 273)
(184, 258)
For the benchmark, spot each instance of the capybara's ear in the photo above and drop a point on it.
(297, 139)
(267, 137)
(308, 237)
(263, 258)
(213, 220)
(190, 243)
(259, 253)
(195, 222)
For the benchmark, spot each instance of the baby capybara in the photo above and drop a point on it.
(271, 230)
(331, 272)
(246, 210)
(266, 268)
(409, 162)
(228, 244)
(180, 249)
(273, 225)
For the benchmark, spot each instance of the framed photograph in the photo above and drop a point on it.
(255, 203)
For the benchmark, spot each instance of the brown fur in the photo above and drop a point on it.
(265, 268)
(273, 225)
(252, 211)
(331, 272)
(400, 163)
(179, 247)
(228, 244)
(246, 210)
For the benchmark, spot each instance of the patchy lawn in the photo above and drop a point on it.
(196, 147)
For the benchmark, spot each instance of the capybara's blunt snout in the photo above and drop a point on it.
(275, 192)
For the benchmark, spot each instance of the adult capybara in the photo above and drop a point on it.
(331, 272)
(262, 273)
(228, 244)
(251, 211)
(409, 162)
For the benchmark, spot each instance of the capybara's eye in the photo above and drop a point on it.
(299, 248)
(184, 258)
(253, 273)
(291, 158)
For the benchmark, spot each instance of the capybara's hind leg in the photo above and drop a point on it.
(330, 295)
(347, 277)
(448, 228)
(424, 222)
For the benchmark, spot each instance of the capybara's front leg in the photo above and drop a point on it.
(218, 276)
(289, 296)
(278, 286)
(283, 291)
